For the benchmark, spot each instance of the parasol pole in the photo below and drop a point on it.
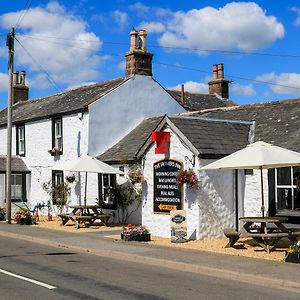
(85, 189)
(262, 192)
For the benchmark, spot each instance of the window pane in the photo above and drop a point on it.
(284, 198)
(16, 186)
(284, 176)
(105, 180)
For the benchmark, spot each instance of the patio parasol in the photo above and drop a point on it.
(86, 164)
(259, 155)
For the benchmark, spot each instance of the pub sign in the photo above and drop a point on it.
(166, 194)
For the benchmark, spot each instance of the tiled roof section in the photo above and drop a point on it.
(211, 137)
(70, 101)
(276, 122)
(17, 164)
(126, 149)
(194, 101)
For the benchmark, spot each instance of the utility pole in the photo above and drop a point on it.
(10, 45)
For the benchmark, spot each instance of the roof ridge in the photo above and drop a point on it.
(245, 106)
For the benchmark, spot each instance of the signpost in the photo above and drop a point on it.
(178, 226)
(167, 196)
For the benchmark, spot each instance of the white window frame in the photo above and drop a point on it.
(58, 143)
(292, 186)
(21, 140)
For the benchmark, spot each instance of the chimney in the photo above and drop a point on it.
(182, 95)
(138, 60)
(219, 85)
(20, 90)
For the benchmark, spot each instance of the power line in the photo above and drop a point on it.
(21, 17)
(175, 48)
(41, 68)
(175, 66)
(227, 75)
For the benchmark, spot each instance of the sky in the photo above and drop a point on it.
(64, 44)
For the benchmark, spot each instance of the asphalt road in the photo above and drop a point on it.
(52, 273)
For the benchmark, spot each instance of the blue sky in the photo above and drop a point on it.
(69, 43)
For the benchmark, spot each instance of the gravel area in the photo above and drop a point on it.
(245, 247)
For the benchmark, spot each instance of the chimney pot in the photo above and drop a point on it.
(220, 71)
(16, 78)
(215, 72)
(133, 39)
(22, 77)
(142, 36)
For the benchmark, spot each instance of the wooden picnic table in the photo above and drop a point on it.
(85, 215)
(266, 231)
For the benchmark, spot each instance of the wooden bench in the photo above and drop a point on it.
(66, 217)
(233, 236)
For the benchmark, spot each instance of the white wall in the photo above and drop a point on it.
(252, 206)
(121, 110)
(38, 139)
(210, 207)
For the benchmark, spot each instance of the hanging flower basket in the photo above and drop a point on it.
(55, 151)
(135, 176)
(70, 178)
(186, 176)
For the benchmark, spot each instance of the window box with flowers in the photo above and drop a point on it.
(55, 151)
(135, 233)
(24, 217)
(293, 253)
(186, 176)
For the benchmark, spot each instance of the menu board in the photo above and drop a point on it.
(166, 194)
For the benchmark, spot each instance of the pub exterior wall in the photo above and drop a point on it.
(210, 207)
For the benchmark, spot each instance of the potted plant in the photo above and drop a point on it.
(293, 253)
(2, 214)
(135, 233)
(24, 217)
(135, 176)
(186, 176)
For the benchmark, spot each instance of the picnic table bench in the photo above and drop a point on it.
(267, 237)
(86, 215)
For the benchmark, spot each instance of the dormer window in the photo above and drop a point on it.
(20, 143)
(57, 136)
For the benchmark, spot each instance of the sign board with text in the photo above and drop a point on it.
(178, 226)
(167, 196)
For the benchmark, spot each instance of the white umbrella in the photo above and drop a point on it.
(86, 164)
(259, 155)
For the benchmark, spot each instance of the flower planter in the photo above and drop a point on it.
(140, 238)
(293, 257)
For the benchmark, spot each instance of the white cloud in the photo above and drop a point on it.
(152, 27)
(139, 9)
(242, 90)
(3, 82)
(66, 65)
(122, 66)
(192, 87)
(121, 18)
(297, 11)
(237, 25)
(285, 83)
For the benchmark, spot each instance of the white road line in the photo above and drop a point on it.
(45, 285)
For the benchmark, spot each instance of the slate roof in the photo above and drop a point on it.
(276, 122)
(228, 137)
(196, 101)
(17, 165)
(74, 100)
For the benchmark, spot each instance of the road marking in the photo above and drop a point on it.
(45, 285)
